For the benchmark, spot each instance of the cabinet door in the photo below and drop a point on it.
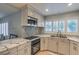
(44, 43)
(21, 49)
(53, 43)
(4, 53)
(40, 21)
(63, 46)
(24, 16)
(13, 51)
(30, 12)
(73, 48)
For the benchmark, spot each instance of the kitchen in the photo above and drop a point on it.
(39, 29)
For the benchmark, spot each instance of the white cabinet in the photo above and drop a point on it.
(13, 51)
(74, 48)
(40, 21)
(22, 49)
(44, 43)
(63, 46)
(24, 16)
(29, 11)
(53, 44)
(4, 53)
(40, 18)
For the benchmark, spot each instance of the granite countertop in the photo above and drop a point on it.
(11, 43)
(73, 38)
(10, 46)
(3, 48)
(43, 35)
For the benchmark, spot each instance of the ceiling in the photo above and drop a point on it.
(53, 8)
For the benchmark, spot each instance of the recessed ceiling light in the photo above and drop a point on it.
(69, 4)
(46, 10)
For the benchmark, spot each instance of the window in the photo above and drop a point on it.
(4, 28)
(61, 26)
(72, 26)
(58, 26)
(48, 26)
(55, 26)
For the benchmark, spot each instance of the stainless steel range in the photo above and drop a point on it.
(34, 43)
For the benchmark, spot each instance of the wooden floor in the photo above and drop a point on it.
(45, 53)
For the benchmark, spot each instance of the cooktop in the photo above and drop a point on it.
(31, 37)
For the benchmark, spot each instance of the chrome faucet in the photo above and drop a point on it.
(59, 33)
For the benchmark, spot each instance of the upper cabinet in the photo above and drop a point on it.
(30, 11)
(24, 16)
(40, 21)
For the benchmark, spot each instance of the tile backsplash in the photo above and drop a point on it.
(30, 31)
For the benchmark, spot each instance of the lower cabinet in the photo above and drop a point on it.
(53, 44)
(44, 43)
(74, 48)
(13, 51)
(63, 46)
(18, 50)
(22, 49)
(4, 53)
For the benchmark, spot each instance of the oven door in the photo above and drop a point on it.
(35, 48)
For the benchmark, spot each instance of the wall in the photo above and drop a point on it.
(65, 17)
(15, 26)
(14, 22)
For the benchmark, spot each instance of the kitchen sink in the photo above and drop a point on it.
(58, 35)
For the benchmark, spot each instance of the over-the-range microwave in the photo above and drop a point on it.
(32, 20)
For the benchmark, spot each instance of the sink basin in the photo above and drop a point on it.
(60, 36)
(54, 35)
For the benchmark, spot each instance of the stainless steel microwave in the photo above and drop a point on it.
(32, 20)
